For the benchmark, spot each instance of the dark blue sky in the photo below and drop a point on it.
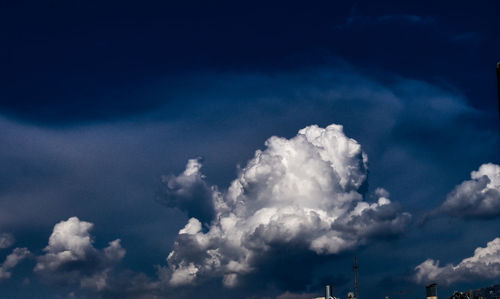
(87, 61)
(99, 100)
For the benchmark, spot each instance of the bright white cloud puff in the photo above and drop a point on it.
(71, 257)
(478, 197)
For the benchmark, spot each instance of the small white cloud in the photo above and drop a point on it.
(114, 252)
(70, 241)
(478, 197)
(192, 227)
(484, 264)
(71, 256)
(11, 261)
(189, 192)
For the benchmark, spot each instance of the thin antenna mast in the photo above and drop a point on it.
(498, 86)
(355, 268)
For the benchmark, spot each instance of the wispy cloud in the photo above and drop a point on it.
(6, 240)
(17, 255)
(363, 20)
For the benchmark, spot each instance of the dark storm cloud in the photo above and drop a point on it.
(279, 269)
(70, 63)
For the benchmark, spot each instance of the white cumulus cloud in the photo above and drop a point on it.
(71, 257)
(478, 197)
(306, 191)
(484, 264)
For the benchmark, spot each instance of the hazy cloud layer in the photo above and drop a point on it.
(478, 197)
(71, 257)
(305, 192)
(484, 264)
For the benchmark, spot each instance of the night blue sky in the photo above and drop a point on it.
(103, 104)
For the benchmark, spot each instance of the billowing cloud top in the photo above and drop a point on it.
(485, 263)
(478, 197)
(71, 257)
(305, 191)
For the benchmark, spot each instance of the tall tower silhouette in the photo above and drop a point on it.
(498, 86)
(356, 285)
